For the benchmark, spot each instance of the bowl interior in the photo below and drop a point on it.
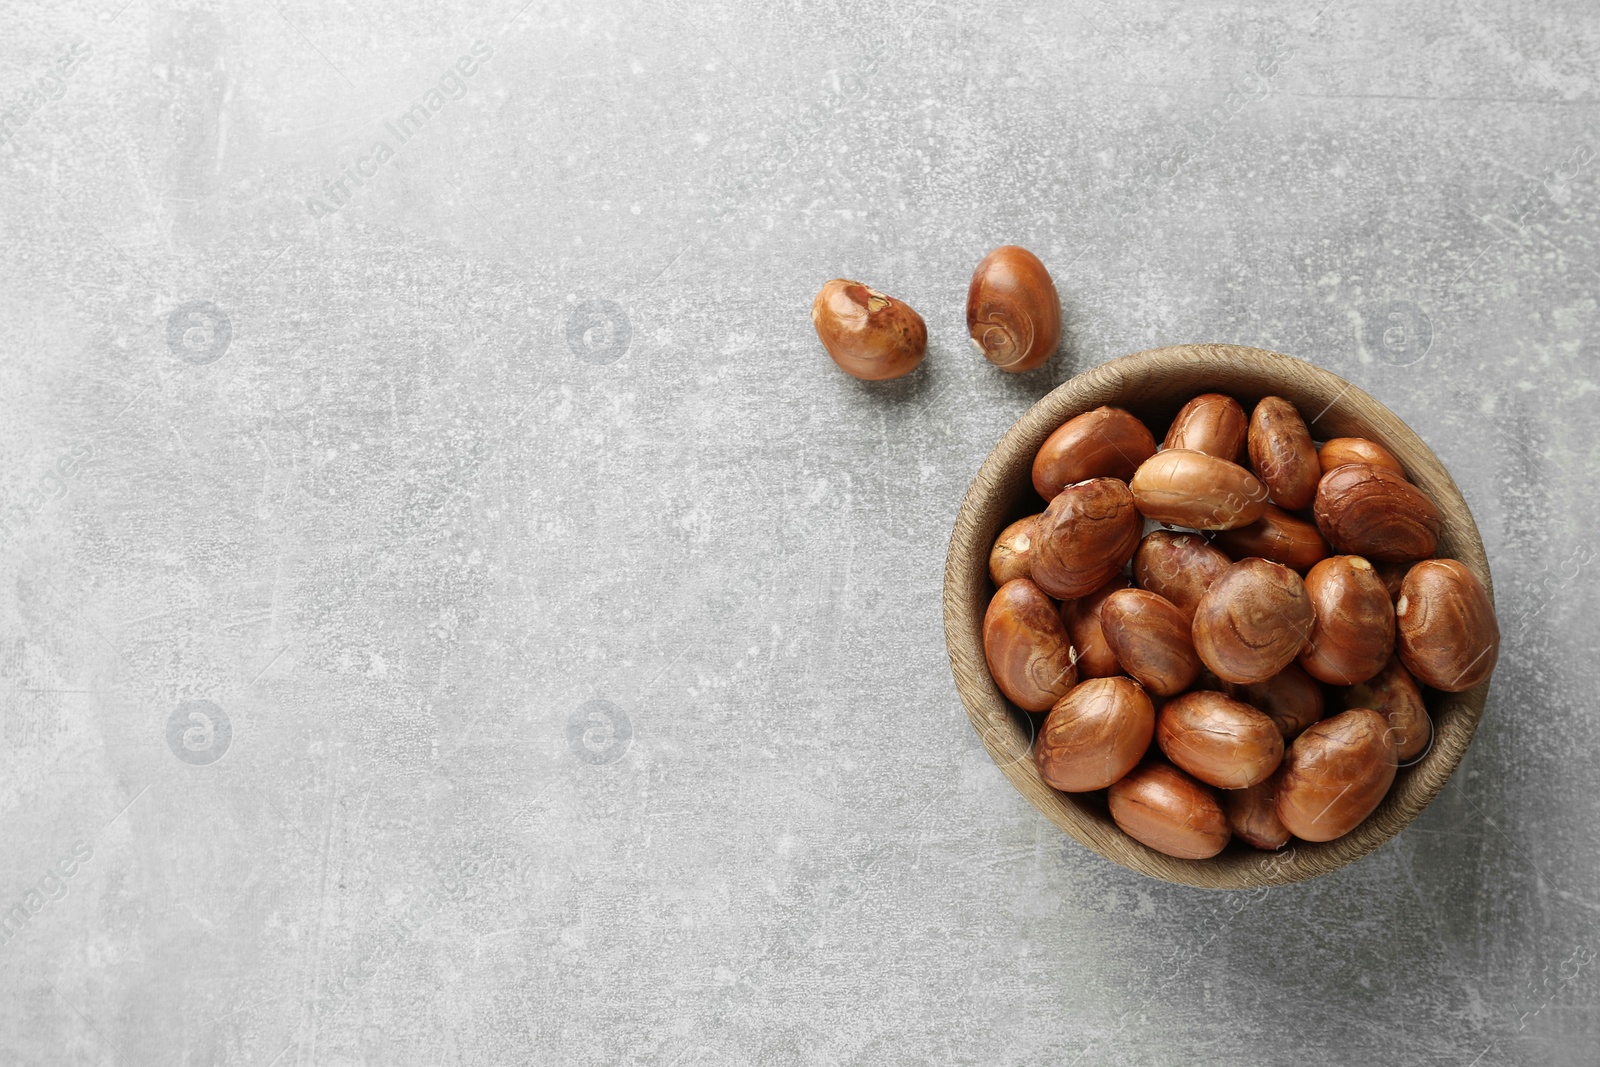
(1154, 385)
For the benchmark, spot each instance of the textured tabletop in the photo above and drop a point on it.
(453, 612)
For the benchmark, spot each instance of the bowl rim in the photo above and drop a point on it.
(994, 494)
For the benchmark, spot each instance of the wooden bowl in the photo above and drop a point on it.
(1153, 385)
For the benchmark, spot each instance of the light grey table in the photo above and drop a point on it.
(453, 613)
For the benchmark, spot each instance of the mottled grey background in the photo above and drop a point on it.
(475, 624)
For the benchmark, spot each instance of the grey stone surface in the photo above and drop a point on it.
(473, 623)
